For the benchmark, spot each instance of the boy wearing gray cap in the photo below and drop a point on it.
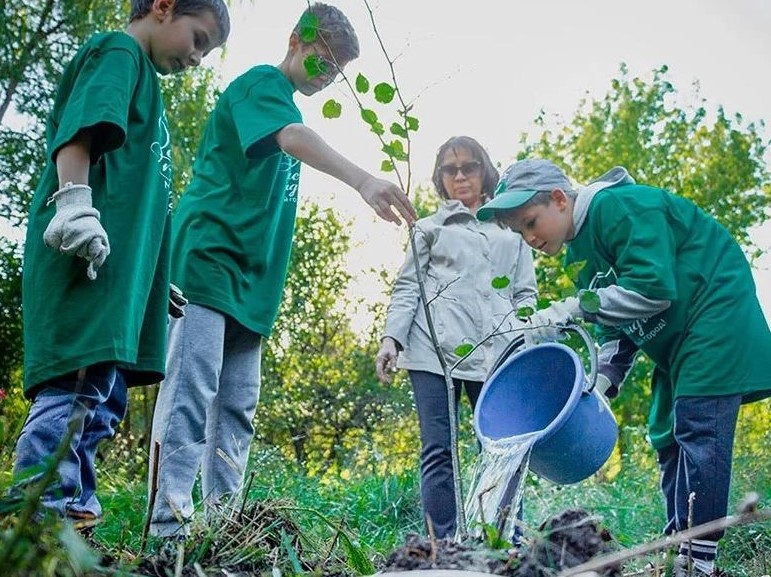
(650, 257)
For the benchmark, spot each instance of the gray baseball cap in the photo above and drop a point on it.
(519, 183)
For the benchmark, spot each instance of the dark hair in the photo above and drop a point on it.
(140, 8)
(335, 31)
(489, 172)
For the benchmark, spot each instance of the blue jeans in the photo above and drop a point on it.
(699, 462)
(95, 406)
(437, 490)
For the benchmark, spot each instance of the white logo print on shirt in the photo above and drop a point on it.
(162, 150)
(290, 165)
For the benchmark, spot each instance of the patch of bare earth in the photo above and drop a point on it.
(566, 540)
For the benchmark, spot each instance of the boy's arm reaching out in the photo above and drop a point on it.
(383, 196)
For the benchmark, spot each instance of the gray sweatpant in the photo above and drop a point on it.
(203, 414)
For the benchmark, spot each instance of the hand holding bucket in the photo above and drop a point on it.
(544, 389)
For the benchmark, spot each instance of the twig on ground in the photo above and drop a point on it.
(153, 493)
(432, 536)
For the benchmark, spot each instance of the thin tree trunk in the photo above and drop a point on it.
(35, 40)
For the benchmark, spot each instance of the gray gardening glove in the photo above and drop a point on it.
(606, 387)
(177, 302)
(548, 324)
(75, 229)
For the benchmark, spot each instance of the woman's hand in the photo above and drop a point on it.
(385, 361)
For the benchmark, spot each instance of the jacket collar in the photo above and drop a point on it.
(452, 210)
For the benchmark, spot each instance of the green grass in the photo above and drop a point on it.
(380, 512)
(377, 513)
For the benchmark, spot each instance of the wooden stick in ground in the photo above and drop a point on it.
(153, 493)
(605, 561)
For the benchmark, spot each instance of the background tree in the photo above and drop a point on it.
(322, 403)
(712, 158)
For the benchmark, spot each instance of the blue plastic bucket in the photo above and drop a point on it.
(543, 388)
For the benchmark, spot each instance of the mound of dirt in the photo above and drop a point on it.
(566, 540)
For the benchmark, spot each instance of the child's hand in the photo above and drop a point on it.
(548, 324)
(75, 229)
(385, 360)
(383, 196)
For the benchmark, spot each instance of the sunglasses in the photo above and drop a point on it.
(473, 168)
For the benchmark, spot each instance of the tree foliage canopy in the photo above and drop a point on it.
(711, 157)
(321, 393)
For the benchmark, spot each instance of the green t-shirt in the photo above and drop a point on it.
(110, 88)
(234, 225)
(713, 340)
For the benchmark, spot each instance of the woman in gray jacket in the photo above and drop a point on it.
(459, 256)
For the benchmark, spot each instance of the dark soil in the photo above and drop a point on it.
(566, 540)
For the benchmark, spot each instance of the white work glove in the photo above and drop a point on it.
(547, 324)
(603, 384)
(177, 302)
(75, 229)
(385, 361)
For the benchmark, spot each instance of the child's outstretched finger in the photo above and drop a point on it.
(385, 211)
(404, 207)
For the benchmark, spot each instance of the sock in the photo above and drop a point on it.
(702, 552)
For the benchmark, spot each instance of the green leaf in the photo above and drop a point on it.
(464, 349)
(525, 312)
(378, 128)
(384, 92)
(82, 558)
(398, 130)
(309, 27)
(574, 268)
(362, 84)
(500, 282)
(291, 552)
(356, 556)
(332, 109)
(542, 303)
(387, 166)
(395, 148)
(589, 301)
(368, 116)
(412, 123)
(314, 66)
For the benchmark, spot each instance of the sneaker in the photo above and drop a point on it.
(681, 568)
(169, 547)
(83, 521)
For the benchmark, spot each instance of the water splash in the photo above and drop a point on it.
(497, 482)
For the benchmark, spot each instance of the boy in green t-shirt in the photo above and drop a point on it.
(673, 283)
(96, 258)
(233, 231)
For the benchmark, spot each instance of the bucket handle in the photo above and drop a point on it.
(590, 346)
